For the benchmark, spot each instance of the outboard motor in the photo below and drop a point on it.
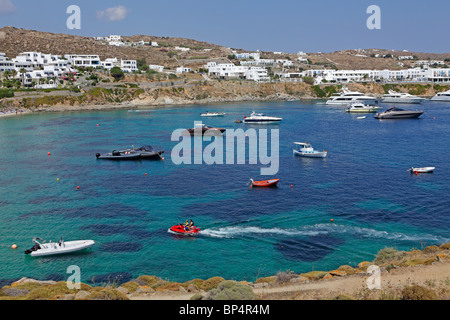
(97, 155)
(36, 247)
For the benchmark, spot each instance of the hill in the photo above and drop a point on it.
(16, 40)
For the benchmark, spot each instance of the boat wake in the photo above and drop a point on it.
(316, 230)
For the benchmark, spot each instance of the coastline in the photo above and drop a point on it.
(404, 275)
(193, 93)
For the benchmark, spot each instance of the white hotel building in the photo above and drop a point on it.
(229, 70)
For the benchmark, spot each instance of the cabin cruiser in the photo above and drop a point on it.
(397, 113)
(212, 114)
(144, 152)
(347, 97)
(260, 118)
(204, 130)
(61, 247)
(401, 97)
(442, 96)
(361, 108)
(305, 149)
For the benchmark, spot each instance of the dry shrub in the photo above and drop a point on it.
(416, 292)
(231, 290)
(211, 283)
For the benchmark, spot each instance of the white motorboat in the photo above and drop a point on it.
(260, 118)
(401, 97)
(212, 114)
(421, 170)
(61, 247)
(442, 96)
(362, 108)
(305, 149)
(347, 97)
(397, 113)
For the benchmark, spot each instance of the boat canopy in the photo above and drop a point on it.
(302, 143)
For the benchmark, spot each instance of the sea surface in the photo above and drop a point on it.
(324, 213)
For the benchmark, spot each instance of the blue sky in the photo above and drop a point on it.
(282, 25)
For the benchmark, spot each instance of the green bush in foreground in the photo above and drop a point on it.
(231, 290)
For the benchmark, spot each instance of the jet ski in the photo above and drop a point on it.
(180, 229)
(61, 247)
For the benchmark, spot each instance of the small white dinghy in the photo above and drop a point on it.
(421, 170)
(61, 247)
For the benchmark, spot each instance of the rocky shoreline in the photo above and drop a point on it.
(126, 95)
(408, 275)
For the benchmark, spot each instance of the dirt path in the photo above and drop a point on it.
(436, 276)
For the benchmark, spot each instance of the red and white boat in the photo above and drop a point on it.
(264, 183)
(421, 170)
(181, 229)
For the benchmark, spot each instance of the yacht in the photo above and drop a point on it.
(260, 118)
(401, 97)
(361, 108)
(397, 113)
(442, 96)
(347, 97)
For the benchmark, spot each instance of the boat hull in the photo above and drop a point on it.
(422, 170)
(317, 154)
(50, 249)
(265, 183)
(399, 115)
(347, 102)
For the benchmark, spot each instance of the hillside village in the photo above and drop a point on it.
(25, 65)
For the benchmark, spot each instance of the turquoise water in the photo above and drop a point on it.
(247, 233)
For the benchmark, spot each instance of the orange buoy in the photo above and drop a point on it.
(78, 187)
(14, 246)
(146, 173)
(48, 153)
(292, 185)
(331, 220)
(97, 124)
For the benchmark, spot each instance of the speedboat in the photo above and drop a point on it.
(361, 108)
(401, 97)
(260, 118)
(181, 229)
(144, 152)
(397, 113)
(61, 247)
(305, 149)
(212, 114)
(421, 170)
(347, 97)
(264, 183)
(442, 96)
(203, 129)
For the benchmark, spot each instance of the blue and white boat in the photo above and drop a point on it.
(305, 149)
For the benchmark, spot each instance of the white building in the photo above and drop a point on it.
(257, 74)
(128, 65)
(225, 70)
(182, 49)
(5, 64)
(84, 60)
(156, 67)
(182, 70)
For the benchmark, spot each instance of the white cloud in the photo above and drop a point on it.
(112, 14)
(6, 6)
